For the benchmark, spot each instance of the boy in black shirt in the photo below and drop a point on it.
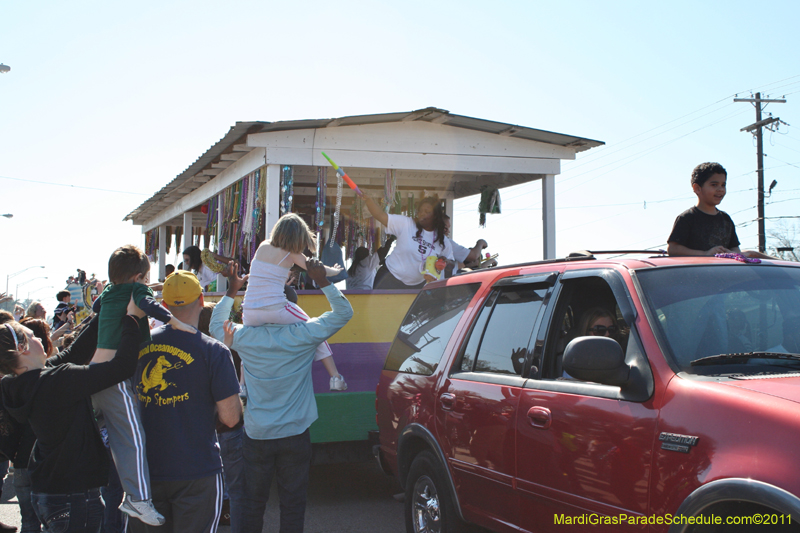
(704, 229)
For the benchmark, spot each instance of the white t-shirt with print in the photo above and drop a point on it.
(410, 252)
(460, 253)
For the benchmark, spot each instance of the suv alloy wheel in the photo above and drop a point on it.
(429, 506)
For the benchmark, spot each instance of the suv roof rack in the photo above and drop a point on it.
(585, 253)
(582, 255)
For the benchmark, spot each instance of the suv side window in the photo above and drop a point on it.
(580, 298)
(502, 333)
(426, 329)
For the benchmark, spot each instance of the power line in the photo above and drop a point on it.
(587, 161)
(645, 153)
(72, 186)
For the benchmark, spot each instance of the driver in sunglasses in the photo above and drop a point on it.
(599, 322)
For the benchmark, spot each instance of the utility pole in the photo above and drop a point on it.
(757, 127)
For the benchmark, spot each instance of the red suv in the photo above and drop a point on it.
(500, 405)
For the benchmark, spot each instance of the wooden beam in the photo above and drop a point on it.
(222, 164)
(549, 217)
(272, 200)
(348, 193)
(241, 148)
(418, 161)
(162, 251)
(188, 228)
(417, 137)
(211, 171)
(233, 156)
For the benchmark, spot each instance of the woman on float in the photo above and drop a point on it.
(205, 264)
(417, 239)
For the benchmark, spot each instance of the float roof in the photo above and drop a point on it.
(235, 141)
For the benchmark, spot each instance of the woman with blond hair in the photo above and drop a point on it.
(265, 300)
(599, 322)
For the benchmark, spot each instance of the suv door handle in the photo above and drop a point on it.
(447, 400)
(540, 417)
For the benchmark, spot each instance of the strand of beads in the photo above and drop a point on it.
(287, 189)
(322, 189)
(739, 257)
(261, 187)
(338, 210)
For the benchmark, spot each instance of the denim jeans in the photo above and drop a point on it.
(81, 512)
(22, 486)
(289, 459)
(230, 449)
(114, 520)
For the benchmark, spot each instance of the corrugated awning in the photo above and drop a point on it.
(232, 143)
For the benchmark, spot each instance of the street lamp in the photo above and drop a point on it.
(7, 215)
(16, 293)
(18, 273)
(37, 290)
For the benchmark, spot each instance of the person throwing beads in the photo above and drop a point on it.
(418, 239)
(265, 301)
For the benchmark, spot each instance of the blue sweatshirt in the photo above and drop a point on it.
(277, 366)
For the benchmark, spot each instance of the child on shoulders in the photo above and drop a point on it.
(265, 301)
(128, 269)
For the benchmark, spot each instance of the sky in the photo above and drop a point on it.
(107, 102)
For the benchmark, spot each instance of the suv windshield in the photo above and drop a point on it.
(704, 311)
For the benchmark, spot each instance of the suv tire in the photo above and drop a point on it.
(429, 505)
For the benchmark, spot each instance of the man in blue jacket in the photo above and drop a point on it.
(280, 398)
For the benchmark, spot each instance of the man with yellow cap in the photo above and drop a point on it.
(184, 382)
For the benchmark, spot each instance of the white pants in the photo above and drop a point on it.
(288, 314)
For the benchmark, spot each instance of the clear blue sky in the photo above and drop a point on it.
(124, 97)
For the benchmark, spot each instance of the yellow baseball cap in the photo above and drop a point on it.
(181, 288)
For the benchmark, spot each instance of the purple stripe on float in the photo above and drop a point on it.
(360, 363)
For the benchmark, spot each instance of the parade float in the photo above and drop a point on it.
(231, 197)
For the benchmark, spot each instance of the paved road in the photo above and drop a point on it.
(350, 497)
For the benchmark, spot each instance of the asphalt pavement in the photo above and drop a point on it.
(347, 497)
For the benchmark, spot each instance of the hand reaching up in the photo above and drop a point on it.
(230, 329)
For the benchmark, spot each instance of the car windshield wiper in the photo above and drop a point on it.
(728, 358)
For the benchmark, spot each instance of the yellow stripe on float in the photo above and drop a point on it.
(376, 317)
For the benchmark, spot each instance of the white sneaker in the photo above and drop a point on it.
(143, 510)
(338, 383)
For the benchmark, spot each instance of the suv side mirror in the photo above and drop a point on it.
(596, 359)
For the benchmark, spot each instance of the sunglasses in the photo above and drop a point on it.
(601, 330)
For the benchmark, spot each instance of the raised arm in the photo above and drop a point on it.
(300, 260)
(475, 251)
(222, 310)
(81, 351)
(375, 210)
(85, 380)
(323, 327)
